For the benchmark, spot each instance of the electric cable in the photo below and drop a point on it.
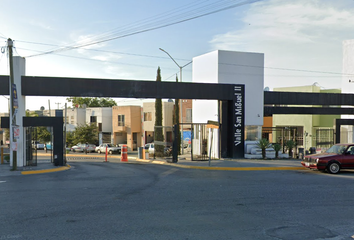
(146, 29)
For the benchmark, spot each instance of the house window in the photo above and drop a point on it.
(188, 115)
(121, 120)
(147, 116)
(93, 119)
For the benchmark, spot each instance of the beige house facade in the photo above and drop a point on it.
(149, 121)
(126, 126)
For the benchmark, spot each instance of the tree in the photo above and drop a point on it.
(263, 144)
(277, 148)
(158, 136)
(70, 139)
(290, 144)
(86, 133)
(176, 122)
(79, 102)
(43, 135)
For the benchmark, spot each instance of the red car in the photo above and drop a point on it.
(339, 156)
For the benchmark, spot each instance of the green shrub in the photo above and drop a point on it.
(277, 148)
(263, 144)
(290, 144)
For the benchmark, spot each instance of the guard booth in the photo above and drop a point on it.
(58, 146)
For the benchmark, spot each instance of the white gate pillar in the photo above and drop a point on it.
(19, 69)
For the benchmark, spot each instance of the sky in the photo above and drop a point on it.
(301, 39)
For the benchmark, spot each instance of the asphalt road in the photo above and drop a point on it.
(97, 200)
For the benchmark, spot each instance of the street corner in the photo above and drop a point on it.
(48, 170)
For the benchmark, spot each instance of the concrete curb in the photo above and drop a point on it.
(58, 169)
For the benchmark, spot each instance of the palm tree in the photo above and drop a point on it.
(290, 144)
(277, 148)
(263, 144)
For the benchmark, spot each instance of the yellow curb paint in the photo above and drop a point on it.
(227, 168)
(67, 167)
(245, 168)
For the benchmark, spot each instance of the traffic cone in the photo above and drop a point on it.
(124, 156)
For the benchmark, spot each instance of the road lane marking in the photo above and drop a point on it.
(168, 172)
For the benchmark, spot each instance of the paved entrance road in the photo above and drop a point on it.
(144, 201)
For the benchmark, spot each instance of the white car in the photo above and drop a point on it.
(110, 148)
(37, 145)
(149, 147)
(83, 148)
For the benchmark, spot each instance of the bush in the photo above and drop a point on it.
(290, 144)
(276, 147)
(263, 144)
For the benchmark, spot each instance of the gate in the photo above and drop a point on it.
(30, 144)
(324, 138)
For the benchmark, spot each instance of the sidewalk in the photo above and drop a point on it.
(45, 166)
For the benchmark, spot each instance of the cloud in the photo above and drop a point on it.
(40, 24)
(297, 34)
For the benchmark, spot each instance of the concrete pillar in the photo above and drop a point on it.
(19, 68)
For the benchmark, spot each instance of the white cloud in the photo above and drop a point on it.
(40, 24)
(297, 34)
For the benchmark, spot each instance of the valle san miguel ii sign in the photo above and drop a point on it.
(238, 120)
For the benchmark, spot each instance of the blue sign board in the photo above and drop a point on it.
(14, 96)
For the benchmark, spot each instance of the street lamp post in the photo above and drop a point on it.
(181, 100)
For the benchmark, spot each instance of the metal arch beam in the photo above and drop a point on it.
(269, 111)
(303, 98)
(4, 83)
(87, 87)
(231, 96)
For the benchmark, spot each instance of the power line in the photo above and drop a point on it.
(96, 50)
(148, 28)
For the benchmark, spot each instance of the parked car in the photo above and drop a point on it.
(83, 148)
(37, 145)
(48, 146)
(339, 156)
(110, 148)
(150, 147)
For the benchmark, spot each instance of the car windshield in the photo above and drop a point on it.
(338, 149)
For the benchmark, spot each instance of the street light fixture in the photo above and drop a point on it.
(180, 77)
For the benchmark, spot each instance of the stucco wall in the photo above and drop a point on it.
(231, 68)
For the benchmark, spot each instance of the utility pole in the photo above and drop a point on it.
(12, 107)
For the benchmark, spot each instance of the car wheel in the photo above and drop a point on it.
(99, 151)
(333, 168)
(110, 152)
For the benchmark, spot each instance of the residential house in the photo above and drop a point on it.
(126, 126)
(102, 118)
(308, 130)
(149, 121)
